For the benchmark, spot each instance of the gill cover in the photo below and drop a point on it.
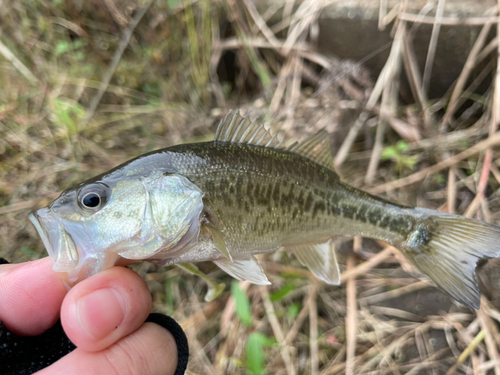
(172, 212)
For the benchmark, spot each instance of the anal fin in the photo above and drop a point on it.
(244, 269)
(321, 260)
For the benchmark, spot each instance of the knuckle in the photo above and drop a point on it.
(129, 356)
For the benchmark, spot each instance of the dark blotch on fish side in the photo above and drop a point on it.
(276, 193)
(308, 203)
(319, 207)
(385, 222)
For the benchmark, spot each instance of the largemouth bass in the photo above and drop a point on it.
(244, 194)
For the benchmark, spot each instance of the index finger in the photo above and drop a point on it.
(31, 295)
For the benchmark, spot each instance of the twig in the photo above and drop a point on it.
(464, 74)
(350, 138)
(428, 362)
(285, 72)
(415, 79)
(485, 73)
(229, 309)
(495, 118)
(382, 12)
(397, 313)
(450, 340)
(369, 264)
(209, 309)
(490, 47)
(495, 114)
(127, 34)
(392, 14)
(487, 327)
(483, 182)
(451, 21)
(351, 319)
(418, 176)
(119, 17)
(451, 190)
(386, 84)
(305, 15)
(278, 332)
(6, 52)
(313, 335)
(379, 138)
(261, 24)
(395, 293)
(302, 49)
(431, 53)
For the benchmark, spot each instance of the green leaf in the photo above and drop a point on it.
(255, 353)
(79, 43)
(67, 113)
(173, 4)
(62, 47)
(409, 161)
(388, 153)
(281, 293)
(242, 304)
(79, 55)
(402, 146)
(294, 310)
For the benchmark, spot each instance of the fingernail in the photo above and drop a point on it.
(100, 313)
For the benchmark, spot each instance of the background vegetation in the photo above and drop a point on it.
(86, 85)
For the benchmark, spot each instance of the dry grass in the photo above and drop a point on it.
(87, 85)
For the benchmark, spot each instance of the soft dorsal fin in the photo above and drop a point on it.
(237, 129)
(315, 147)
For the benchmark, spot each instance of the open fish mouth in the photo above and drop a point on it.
(59, 244)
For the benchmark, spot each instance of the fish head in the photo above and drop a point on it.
(91, 227)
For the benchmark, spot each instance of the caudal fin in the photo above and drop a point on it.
(447, 248)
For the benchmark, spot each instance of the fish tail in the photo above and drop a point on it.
(448, 248)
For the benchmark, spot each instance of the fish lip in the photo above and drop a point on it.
(59, 243)
(35, 219)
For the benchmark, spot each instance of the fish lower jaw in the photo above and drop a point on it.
(89, 266)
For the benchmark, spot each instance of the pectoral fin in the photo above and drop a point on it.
(244, 269)
(214, 289)
(320, 259)
(219, 241)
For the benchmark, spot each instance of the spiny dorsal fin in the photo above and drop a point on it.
(316, 147)
(237, 129)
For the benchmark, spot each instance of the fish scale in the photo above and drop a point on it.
(243, 194)
(305, 197)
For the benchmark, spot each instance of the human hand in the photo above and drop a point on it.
(103, 316)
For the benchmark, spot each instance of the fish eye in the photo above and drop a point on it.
(92, 198)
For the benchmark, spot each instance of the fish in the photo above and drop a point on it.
(246, 193)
